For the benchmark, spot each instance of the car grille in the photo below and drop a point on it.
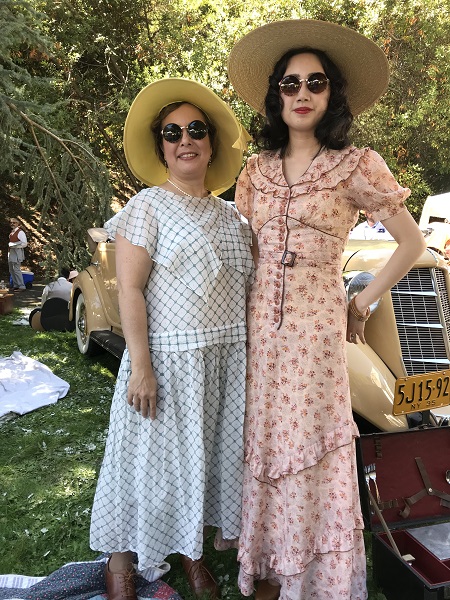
(422, 314)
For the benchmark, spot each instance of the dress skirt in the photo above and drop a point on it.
(300, 535)
(161, 481)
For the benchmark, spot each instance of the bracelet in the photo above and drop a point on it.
(355, 312)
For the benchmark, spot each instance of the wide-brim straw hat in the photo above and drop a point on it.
(139, 142)
(363, 63)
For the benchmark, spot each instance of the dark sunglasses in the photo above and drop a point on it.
(172, 132)
(316, 84)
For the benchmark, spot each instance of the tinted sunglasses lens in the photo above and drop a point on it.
(172, 133)
(289, 85)
(317, 83)
(197, 130)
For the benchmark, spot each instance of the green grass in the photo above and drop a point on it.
(49, 461)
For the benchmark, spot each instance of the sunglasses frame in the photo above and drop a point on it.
(189, 128)
(310, 80)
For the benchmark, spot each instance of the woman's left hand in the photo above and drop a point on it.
(355, 329)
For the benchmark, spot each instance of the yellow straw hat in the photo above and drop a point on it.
(363, 64)
(139, 142)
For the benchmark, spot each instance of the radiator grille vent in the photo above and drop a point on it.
(419, 300)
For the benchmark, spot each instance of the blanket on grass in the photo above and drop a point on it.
(86, 581)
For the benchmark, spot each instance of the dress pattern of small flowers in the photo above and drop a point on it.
(302, 524)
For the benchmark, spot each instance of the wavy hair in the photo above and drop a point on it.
(331, 131)
(156, 127)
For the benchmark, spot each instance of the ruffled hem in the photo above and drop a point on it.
(304, 457)
(327, 171)
(296, 564)
(344, 570)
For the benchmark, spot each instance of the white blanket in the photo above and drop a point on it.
(26, 384)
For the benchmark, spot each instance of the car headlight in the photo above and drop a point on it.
(355, 282)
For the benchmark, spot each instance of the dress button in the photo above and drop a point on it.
(276, 319)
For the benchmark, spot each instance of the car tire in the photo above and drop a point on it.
(84, 342)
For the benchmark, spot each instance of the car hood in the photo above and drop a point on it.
(372, 255)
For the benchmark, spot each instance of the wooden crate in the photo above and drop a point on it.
(6, 303)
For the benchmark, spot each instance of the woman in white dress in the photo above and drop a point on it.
(173, 458)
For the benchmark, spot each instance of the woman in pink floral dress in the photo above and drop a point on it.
(302, 532)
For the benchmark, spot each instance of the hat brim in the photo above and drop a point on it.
(363, 63)
(139, 142)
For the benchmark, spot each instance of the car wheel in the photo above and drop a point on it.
(85, 344)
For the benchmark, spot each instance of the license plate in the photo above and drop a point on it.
(421, 392)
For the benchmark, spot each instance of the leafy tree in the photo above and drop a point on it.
(409, 125)
(103, 53)
(50, 170)
(113, 48)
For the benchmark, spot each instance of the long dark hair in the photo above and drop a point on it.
(331, 131)
(156, 127)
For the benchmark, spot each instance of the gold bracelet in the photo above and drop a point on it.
(355, 312)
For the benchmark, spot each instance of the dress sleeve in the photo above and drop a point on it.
(378, 190)
(244, 192)
(136, 222)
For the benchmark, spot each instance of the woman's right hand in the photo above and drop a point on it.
(142, 390)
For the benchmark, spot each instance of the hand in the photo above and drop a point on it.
(355, 329)
(142, 392)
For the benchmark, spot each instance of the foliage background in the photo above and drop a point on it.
(69, 70)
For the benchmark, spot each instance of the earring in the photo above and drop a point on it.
(210, 161)
(165, 165)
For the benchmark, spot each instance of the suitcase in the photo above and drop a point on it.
(407, 475)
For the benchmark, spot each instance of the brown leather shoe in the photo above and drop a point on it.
(201, 581)
(120, 586)
(267, 591)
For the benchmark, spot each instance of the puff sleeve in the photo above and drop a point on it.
(376, 189)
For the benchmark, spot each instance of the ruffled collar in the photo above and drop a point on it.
(327, 170)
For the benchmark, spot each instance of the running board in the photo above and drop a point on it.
(113, 343)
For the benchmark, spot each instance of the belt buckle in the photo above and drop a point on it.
(288, 258)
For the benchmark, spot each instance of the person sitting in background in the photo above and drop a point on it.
(370, 229)
(61, 288)
(53, 314)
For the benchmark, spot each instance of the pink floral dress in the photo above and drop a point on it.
(301, 521)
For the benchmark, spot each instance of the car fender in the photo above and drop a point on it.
(372, 388)
(95, 314)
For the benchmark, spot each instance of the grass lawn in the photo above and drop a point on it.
(49, 461)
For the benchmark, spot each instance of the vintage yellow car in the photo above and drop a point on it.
(399, 379)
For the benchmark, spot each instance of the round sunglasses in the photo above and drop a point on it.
(172, 132)
(316, 84)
